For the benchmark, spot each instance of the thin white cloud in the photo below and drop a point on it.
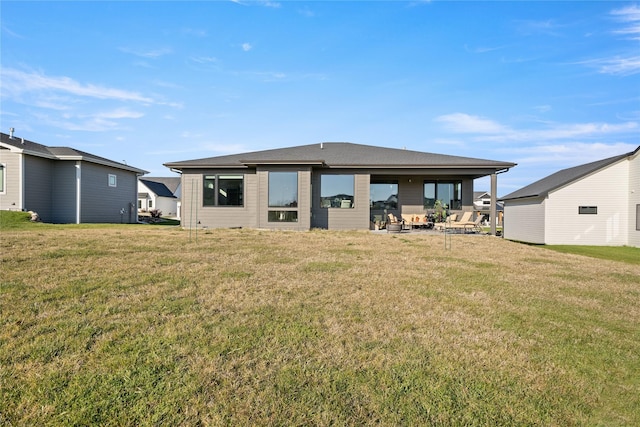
(487, 130)
(246, 47)
(629, 15)
(17, 82)
(465, 123)
(571, 154)
(119, 113)
(623, 66)
(203, 59)
(152, 54)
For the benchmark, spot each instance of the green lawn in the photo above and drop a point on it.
(136, 325)
(617, 253)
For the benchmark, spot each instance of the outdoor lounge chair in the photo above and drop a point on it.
(468, 225)
(446, 224)
(395, 224)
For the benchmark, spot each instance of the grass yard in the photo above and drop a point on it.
(138, 325)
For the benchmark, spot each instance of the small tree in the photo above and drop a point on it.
(440, 211)
(155, 213)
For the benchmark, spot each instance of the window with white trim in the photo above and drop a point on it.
(113, 180)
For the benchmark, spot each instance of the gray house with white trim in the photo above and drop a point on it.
(330, 185)
(596, 204)
(65, 185)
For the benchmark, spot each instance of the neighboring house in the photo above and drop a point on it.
(326, 185)
(593, 204)
(159, 193)
(482, 205)
(64, 185)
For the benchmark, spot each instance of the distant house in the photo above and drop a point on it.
(596, 203)
(65, 185)
(482, 205)
(327, 185)
(162, 193)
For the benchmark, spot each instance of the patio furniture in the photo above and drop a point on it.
(446, 223)
(395, 225)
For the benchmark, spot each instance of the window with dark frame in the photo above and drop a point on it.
(587, 210)
(283, 194)
(383, 195)
(223, 190)
(337, 191)
(448, 192)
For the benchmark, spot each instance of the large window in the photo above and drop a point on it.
(283, 189)
(223, 190)
(383, 195)
(283, 193)
(448, 192)
(337, 191)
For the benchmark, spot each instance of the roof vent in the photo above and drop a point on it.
(322, 146)
(22, 141)
(11, 131)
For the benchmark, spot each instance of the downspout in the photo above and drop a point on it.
(22, 184)
(78, 187)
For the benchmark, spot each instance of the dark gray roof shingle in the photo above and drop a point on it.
(61, 153)
(341, 154)
(158, 188)
(563, 177)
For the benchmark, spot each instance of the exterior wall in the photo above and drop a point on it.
(354, 218)
(411, 197)
(634, 201)
(102, 203)
(254, 213)
(64, 193)
(11, 198)
(38, 186)
(167, 205)
(193, 211)
(607, 189)
(524, 220)
(304, 199)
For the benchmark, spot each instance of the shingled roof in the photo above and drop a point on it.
(342, 155)
(159, 188)
(541, 188)
(59, 153)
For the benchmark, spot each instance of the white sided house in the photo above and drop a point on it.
(593, 204)
(161, 193)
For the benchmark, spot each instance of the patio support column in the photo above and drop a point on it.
(493, 211)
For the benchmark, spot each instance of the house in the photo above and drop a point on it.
(596, 203)
(330, 185)
(161, 193)
(482, 205)
(64, 185)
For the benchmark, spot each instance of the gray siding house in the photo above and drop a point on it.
(330, 185)
(64, 185)
(595, 204)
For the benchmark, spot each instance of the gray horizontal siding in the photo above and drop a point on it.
(11, 198)
(102, 203)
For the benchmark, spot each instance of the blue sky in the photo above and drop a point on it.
(547, 85)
